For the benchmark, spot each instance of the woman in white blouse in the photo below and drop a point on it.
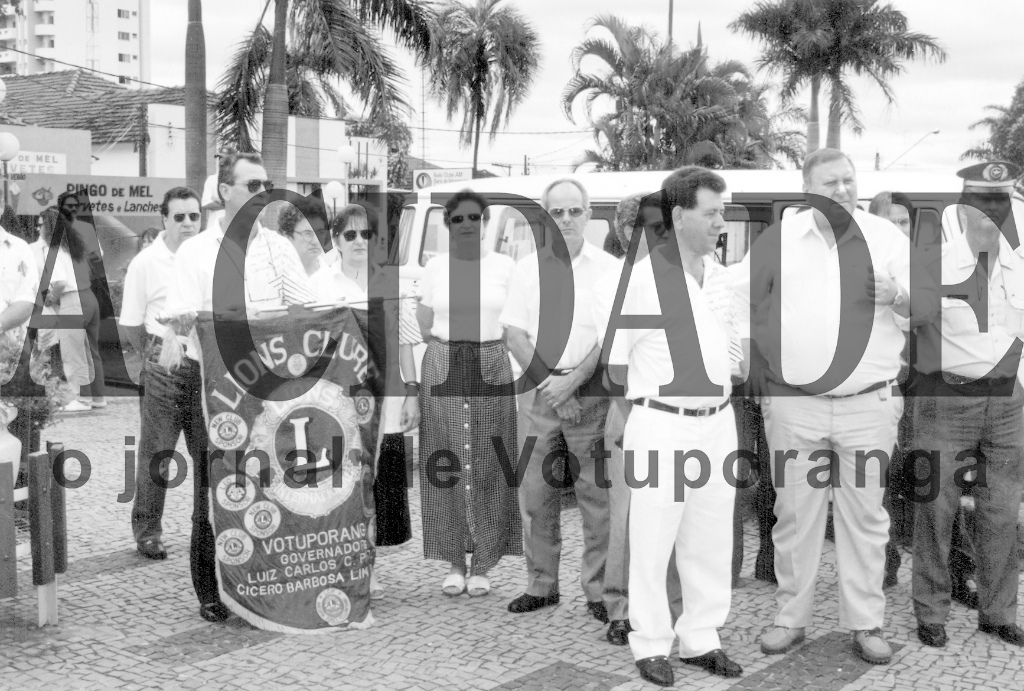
(303, 226)
(479, 513)
(353, 232)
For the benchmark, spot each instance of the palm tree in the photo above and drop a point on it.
(669, 107)
(483, 62)
(818, 41)
(293, 70)
(195, 97)
(1006, 132)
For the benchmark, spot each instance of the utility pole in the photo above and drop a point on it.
(195, 98)
(506, 166)
(143, 139)
(670, 3)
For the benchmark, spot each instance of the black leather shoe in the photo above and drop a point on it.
(599, 612)
(716, 662)
(932, 634)
(1011, 633)
(656, 670)
(618, 632)
(153, 549)
(965, 596)
(531, 603)
(214, 611)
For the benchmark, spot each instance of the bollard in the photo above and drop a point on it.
(40, 489)
(8, 549)
(59, 508)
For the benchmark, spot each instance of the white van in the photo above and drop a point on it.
(754, 199)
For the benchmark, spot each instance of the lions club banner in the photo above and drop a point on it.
(291, 478)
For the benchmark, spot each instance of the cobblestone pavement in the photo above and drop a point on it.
(129, 623)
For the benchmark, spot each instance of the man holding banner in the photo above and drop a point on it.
(283, 516)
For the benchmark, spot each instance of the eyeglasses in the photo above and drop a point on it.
(254, 185)
(350, 235)
(180, 218)
(472, 217)
(575, 212)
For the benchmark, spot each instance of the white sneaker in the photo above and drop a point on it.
(76, 406)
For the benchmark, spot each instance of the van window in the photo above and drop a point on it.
(405, 231)
(929, 229)
(514, 235)
(435, 236)
(596, 231)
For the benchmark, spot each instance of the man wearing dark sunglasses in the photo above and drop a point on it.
(570, 400)
(167, 409)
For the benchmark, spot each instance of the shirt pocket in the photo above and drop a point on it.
(958, 317)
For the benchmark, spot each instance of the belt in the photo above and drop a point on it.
(983, 383)
(689, 412)
(868, 389)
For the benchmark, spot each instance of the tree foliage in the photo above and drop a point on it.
(1005, 132)
(670, 107)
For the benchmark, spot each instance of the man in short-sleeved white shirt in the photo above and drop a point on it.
(19, 281)
(661, 425)
(170, 405)
(570, 400)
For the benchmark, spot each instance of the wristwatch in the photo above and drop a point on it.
(899, 300)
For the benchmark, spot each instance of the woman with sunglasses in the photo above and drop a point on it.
(354, 233)
(480, 513)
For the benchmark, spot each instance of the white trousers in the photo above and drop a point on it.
(699, 527)
(841, 426)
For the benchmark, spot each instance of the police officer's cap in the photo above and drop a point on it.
(991, 175)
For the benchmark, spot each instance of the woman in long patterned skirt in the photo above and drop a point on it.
(469, 500)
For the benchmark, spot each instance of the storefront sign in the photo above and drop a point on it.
(422, 179)
(38, 162)
(101, 194)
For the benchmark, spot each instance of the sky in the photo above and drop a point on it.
(984, 65)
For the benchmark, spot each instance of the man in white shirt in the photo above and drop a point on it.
(569, 399)
(19, 281)
(969, 410)
(826, 398)
(171, 402)
(680, 405)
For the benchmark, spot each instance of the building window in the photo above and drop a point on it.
(122, 35)
(135, 35)
(123, 14)
(124, 80)
(124, 57)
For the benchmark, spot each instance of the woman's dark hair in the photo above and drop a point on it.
(63, 197)
(70, 241)
(148, 235)
(290, 215)
(350, 212)
(464, 196)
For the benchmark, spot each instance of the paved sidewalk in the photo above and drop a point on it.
(130, 623)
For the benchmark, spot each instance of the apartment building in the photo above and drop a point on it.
(111, 36)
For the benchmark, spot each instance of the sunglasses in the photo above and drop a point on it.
(180, 218)
(472, 217)
(575, 212)
(350, 235)
(254, 185)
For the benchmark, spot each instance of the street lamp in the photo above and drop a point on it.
(9, 148)
(908, 150)
(333, 190)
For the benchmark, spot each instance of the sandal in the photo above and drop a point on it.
(454, 585)
(376, 591)
(478, 586)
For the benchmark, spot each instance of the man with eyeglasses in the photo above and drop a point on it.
(171, 402)
(274, 276)
(569, 398)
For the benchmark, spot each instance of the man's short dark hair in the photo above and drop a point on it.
(680, 189)
(178, 193)
(466, 195)
(226, 172)
(820, 157)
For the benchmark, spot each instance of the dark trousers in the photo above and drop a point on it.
(172, 404)
(986, 429)
(751, 436)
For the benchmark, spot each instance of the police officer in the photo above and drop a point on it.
(969, 409)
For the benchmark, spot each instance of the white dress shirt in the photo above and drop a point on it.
(647, 353)
(150, 275)
(495, 285)
(19, 279)
(807, 298)
(522, 309)
(967, 351)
